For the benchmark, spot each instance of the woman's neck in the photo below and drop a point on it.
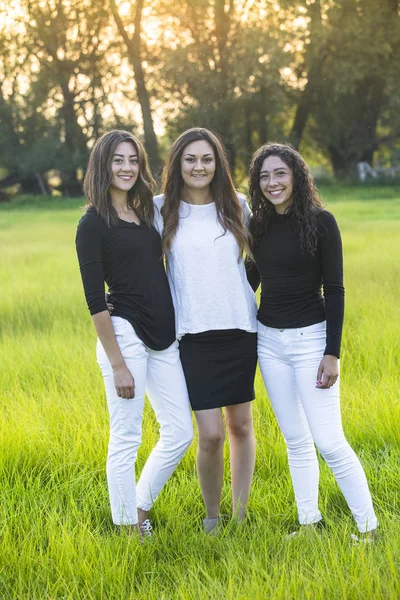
(119, 199)
(194, 196)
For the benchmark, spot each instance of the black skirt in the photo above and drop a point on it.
(219, 367)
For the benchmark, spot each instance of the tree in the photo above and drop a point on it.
(222, 70)
(24, 132)
(350, 52)
(134, 49)
(67, 39)
(356, 77)
(313, 58)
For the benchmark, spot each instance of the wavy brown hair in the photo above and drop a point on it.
(98, 177)
(306, 200)
(229, 211)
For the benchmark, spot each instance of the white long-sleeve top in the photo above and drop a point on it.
(208, 283)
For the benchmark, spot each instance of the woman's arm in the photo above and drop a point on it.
(89, 246)
(123, 380)
(332, 279)
(247, 214)
(253, 275)
(158, 220)
(332, 275)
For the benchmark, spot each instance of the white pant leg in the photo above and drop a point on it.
(167, 392)
(125, 423)
(322, 409)
(279, 380)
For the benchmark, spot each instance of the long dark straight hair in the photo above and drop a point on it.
(98, 177)
(229, 211)
(306, 200)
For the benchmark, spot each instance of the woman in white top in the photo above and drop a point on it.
(203, 223)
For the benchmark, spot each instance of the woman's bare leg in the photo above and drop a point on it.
(239, 421)
(210, 458)
(142, 515)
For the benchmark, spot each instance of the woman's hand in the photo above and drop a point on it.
(124, 382)
(328, 372)
(110, 307)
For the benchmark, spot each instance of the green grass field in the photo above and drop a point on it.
(56, 536)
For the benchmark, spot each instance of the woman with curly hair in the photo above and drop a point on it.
(298, 252)
(137, 349)
(203, 221)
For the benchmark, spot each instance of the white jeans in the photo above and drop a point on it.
(289, 360)
(160, 374)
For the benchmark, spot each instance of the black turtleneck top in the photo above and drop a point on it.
(128, 258)
(298, 289)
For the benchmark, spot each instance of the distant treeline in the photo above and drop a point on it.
(322, 74)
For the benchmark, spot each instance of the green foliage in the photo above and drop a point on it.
(321, 72)
(229, 81)
(47, 121)
(57, 540)
(356, 80)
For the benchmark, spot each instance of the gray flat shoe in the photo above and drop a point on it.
(212, 525)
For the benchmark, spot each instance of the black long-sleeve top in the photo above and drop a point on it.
(128, 258)
(298, 289)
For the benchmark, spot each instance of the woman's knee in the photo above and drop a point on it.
(239, 420)
(300, 443)
(333, 449)
(124, 448)
(211, 440)
(185, 436)
(177, 434)
(240, 428)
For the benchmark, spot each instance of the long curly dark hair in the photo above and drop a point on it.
(98, 177)
(306, 200)
(229, 211)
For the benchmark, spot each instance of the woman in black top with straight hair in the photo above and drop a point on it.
(137, 350)
(298, 253)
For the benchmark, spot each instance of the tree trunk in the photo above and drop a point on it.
(357, 140)
(262, 117)
(8, 128)
(9, 180)
(248, 132)
(135, 56)
(31, 185)
(313, 62)
(148, 126)
(223, 19)
(306, 103)
(75, 142)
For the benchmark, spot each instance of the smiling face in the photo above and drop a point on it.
(276, 183)
(125, 168)
(198, 165)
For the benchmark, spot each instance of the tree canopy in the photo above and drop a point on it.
(321, 74)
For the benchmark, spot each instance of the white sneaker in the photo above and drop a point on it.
(146, 529)
(294, 534)
(365, 539)
(304, 530)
